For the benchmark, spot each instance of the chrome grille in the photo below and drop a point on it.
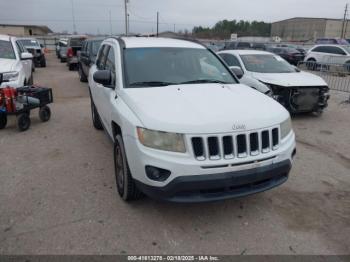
(236, 145)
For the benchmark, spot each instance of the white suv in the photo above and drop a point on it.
(183, 128)
(16, 64)
(329, 54)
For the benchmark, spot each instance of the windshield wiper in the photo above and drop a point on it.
(200, 81)
(152, 83)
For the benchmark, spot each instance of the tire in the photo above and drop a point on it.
(31, 80)
(63, 60)
(33, 68)
(23, 122)
(125, 183)
(71, 67)
(96, 121)
(44, 113)
(3, 120)
(311, 64)
(43, 62)
(82, 76)
(347, 66)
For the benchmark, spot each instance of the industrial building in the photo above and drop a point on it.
(24, 30)
(309, 29)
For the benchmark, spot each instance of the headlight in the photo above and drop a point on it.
(286, 127)
(10, 76)
(161, 140)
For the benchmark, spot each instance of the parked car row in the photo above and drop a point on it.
(67, 50)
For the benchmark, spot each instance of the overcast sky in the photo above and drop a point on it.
(92, 16)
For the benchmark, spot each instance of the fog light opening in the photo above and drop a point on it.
(157, 174)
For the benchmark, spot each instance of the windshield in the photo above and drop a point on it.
(95, 46)
(266, 64)
(6, 50)
(166, 66)
(27, 42)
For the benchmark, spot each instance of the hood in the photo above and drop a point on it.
(203, 108)
(7, 65)
(290, 79)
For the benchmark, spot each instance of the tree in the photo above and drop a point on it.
(223, 29)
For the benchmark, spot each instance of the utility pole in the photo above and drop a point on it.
(110, 22)
(157, 24)
(73, 16)
(126, 16)
(128, 23)
(343, 30)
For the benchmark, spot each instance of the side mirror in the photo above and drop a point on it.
(103, 77)
(41, 45)
(26, 56)
(237, 71)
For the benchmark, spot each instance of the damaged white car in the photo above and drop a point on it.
(298, 91)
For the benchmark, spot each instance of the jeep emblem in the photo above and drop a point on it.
(238, 127)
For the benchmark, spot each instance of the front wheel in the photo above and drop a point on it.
(125, 183)
(23, 122)
(31, 80)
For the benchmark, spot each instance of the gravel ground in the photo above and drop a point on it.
(58, 194)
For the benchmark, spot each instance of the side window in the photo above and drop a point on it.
(20, 48)
(102, 56)
(318, 49)
(110, 64)
(231, 60)
(336, 50)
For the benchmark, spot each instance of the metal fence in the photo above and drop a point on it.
(336, 75)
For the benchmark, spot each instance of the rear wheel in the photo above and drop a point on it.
(23, 122)
(45, 113)
(347, 66)
(71, 67)
(125, 183)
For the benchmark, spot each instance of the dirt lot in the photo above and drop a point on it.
(58, 193)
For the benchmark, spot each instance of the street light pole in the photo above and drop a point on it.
(126, 16)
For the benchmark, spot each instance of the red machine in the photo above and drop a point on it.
(20, 101)
(7, 98)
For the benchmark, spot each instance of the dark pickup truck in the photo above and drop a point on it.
(73, 46)
(87, 57)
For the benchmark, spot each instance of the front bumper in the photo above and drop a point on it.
(302, 99)
(186, 170)
(222, 186)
